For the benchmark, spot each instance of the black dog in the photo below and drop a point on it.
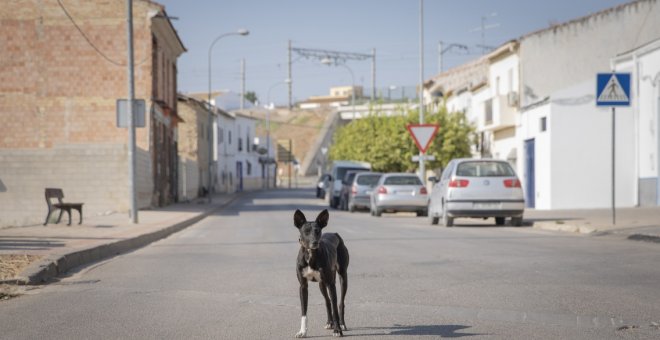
(319, 259)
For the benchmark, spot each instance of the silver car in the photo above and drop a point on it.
(399, 192)
(363, 185)
(479, 188)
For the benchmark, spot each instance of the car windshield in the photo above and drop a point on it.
(402, 180)
(341, 172)
(484, 169)
(369, 180)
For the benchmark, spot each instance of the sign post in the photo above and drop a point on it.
(613, 89)
(423, 135)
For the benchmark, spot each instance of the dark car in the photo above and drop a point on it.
(346, 184)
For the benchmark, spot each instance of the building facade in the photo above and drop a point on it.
(63, 70)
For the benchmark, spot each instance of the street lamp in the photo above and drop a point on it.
(286, 81)
(328, 61)
(241, 31)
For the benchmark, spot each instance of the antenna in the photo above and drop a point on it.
(483, 29)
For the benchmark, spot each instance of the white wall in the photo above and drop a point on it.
(529, 129)
(581, 151)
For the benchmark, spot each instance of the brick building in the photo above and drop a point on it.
(63, 68)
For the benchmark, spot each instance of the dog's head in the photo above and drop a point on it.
(310, 232)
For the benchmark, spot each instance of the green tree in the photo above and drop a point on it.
(387, 145)
(251, 96)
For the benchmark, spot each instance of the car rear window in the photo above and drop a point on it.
(484, 169)
(368, 180)
(403, 180)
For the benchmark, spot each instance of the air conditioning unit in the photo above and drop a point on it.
(512, 98)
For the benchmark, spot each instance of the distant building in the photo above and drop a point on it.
(340, 95)
(58, 94)
(193, 148)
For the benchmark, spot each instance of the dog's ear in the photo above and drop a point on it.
(322, 219)
(299, 219)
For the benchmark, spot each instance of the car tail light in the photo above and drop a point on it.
(458, 183)
(423, 191)
(512, 183)
(354, 190)
(382, 190)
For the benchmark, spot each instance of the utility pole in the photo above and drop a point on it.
(290, 80)
(483, 29)
(242, 84)
(131, 117)
(373, 75)
(422, 170)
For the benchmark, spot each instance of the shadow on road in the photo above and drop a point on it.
(445, 331)
(276, 200)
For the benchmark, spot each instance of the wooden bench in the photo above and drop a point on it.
(57, 193)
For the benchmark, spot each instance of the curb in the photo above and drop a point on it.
(56, 265)
(565, 228)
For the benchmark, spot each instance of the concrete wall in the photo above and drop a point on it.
(575, 51)
(582, 154)
(529, 129)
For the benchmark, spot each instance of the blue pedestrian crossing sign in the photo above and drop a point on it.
(613, 89)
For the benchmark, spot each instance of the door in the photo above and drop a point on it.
(239, 176)
(530, 190)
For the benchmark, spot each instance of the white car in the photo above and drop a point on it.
(399, 192)
(479, 188)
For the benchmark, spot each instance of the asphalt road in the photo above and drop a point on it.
(232, 276)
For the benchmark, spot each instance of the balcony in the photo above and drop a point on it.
(500, 112)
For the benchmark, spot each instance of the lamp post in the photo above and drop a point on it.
(241, 31)
(328, 61)
(422, 170)
(286, 81)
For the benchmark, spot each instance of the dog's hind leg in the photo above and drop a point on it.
(342, 270)
(332, 289)
(343, 279)
(328, 306)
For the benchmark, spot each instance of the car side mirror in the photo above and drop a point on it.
(433, 179)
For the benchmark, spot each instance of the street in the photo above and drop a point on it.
(232, 276)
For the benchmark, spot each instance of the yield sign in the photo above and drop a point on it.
(423, 134)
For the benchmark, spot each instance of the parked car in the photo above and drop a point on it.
(479, 188)
(321, 185)
(346, 185)
(396, 192)
(359, 195)
(337, 173)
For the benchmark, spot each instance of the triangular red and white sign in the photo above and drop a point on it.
(423, 134)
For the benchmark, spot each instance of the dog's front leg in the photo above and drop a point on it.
(335, 312)
(303, 307)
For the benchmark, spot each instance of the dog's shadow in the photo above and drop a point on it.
(445, 331)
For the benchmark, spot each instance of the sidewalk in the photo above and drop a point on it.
(61, 247)
(632, 223)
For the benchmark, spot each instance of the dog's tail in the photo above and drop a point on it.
(342, 255)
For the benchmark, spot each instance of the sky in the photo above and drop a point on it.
(357, 26)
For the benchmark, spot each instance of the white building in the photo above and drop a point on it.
(564, 138)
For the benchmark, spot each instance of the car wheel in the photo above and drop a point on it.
(516, 221)
(351, 208)
(434, 219)
(422, 213)
(446, 220)
(378, 212)
(499, 221)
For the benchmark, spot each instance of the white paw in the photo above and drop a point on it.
(328, 326)
(344, 328)
(301, 334)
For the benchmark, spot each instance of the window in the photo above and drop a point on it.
(249, 168)
(543, 124)
(402, 180)
(229, 136)
(484, 169)
(488, 112)
(221, 135)
(240, 144)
